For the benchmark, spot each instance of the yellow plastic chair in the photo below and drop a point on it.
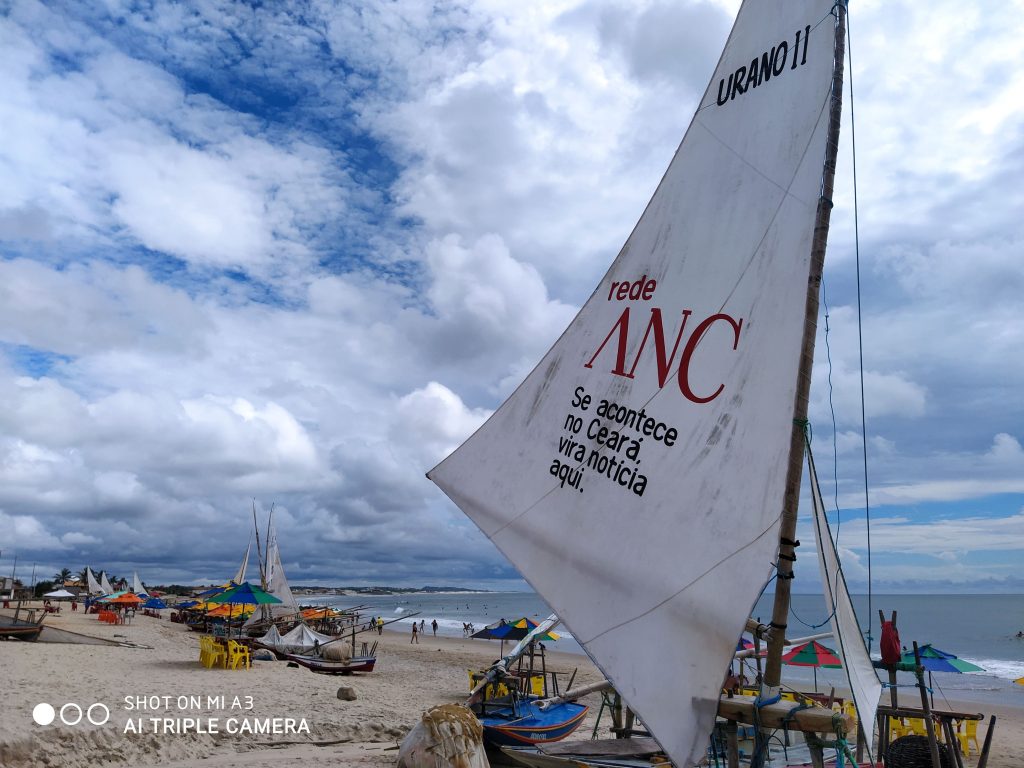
(238, 654)
(917, 726)
(849, 708)
(216, 654)
(966, 732)
(898, 728)
(205, 651)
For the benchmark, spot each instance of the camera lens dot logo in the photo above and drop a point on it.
(43, 714)
(71, 713)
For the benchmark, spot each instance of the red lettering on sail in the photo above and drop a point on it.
(691, 346)
(662, 360)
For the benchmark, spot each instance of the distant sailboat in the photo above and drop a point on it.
(105, 587)
(644, 477)
(137, 586)
(240, 574)
(92, 585)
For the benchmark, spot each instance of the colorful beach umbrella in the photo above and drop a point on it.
(512, 630)
(244, 594)
(1019, 681)
(813, 654)
(125, 599)
(934, 660)
(154, 603)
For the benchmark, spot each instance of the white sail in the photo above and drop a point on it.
(105, 587)
(93, 585)
(864, 683)
(277, 584)
(240, 575)
(635, 478)
(137, 586)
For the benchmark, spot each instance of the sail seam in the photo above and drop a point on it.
(676, 594)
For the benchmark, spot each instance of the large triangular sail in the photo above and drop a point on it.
(137, 586)
(277, 584)
(239, 577)
(105, 584)
(864, 683)
(93, 585)
(636, 477)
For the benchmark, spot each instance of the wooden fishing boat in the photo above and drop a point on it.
(16, 628)
(330, 667)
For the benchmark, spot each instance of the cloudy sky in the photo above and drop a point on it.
(293, 255)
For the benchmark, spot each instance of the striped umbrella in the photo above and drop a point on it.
(813, 654)
(934, 660)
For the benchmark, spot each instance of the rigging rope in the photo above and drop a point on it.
(860, 330)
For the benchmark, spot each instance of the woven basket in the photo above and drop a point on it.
(913, 752)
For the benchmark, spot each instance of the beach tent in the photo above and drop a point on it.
(272, 638)
(154, 603)
(60, 594)
(302, 639)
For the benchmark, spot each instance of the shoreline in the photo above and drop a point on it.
(409, 678)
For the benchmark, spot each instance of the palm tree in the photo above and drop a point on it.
(83, 577)
(62, 576)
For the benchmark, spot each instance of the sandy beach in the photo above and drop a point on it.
(175, 704)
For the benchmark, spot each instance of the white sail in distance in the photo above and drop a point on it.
(105, 587)
(240, 574)
(860, 672)
(636, 477)
(93, 585)
(277, 585)
(137, 587)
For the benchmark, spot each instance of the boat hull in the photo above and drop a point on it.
(528, 724)
(325, 667)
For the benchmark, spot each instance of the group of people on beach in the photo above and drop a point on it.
(419, 628)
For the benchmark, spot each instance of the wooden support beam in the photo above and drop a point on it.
(983, 757)
(732, 745)
(812, 719)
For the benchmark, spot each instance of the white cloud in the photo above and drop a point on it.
(301, 256)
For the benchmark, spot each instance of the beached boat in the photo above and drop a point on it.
(21, 625)
(644, 478)
(516, 706)
(318, 652)
(330, 667)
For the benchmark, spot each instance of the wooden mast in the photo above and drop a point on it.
(787, 532)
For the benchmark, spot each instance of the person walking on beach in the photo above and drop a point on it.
(415, 634)
(422, 625)
(433, 625)
(380, 625)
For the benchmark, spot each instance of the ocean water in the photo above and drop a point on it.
(981, 629)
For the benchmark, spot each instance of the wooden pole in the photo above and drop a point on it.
(732, 745)
(983, 757)
(951, 741)
(929, 724)
(794, 469)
